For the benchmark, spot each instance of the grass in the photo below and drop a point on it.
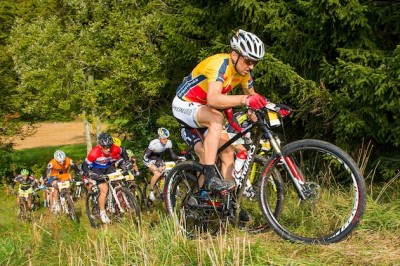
(48, 240)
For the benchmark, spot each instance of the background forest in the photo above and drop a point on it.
(336, 62)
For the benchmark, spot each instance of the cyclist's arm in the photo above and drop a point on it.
(146, 156)
(173, 154)
(13, 181)
(75, 167)
(124, 155)
(217, 100)
(85, 167)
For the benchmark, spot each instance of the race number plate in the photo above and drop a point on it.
(24, 194)
(64, 184)
(169, 165)
(273, 118)
(115, 176)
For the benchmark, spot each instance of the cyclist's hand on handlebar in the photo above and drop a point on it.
(283, 110)
(256, 101)
(93, 175)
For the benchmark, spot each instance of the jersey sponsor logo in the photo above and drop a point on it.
(185, 111)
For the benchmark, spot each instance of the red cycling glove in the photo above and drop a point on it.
(283, 110)
(256, 101)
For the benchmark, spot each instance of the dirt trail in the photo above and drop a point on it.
(54, 134)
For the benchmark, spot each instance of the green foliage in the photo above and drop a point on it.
(158, 242)
(335, 62)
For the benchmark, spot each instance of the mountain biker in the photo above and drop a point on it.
(205, 90)
(26, 184)
(132, 159)
(152, 157)
(100, 161)
(58, 170)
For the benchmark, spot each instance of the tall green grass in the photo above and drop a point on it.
(51, 240)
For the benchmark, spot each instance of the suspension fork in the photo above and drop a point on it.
(294, 173)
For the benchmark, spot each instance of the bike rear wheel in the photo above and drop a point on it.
(334, 188)
(195, 214)
(92, 209)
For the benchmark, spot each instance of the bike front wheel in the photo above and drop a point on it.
(92, 209)
(70, 208)
(332, 187)
(256, 221)
(128, 205)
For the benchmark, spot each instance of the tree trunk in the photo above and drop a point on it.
(88, 137)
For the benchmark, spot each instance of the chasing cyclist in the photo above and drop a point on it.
(152, 157)
(100, 161)
(204, 92)
(58, 169)
(26, 184)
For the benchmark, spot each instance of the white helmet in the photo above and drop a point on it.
(247, 44)
(59, 156)
(163, 133)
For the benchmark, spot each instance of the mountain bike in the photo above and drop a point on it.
(78, 190)
(131, 183)
(324, 191)
(24, 213)
(200, 211)
(65, 201)
(158, 188)
(120, 202)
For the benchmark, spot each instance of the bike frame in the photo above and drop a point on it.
(266, 133)
(63, 192)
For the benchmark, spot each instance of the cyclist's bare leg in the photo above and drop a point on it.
(29, 200)
(156, 175)
(226, 158)
(18, 200)
(199, 150)
(213, 120)
(103, 187)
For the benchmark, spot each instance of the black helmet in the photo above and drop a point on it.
(105, 140)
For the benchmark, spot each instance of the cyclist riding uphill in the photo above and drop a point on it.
(100, 161)
(152, 157)
(58, 170)
(26, 184)
(204, 92)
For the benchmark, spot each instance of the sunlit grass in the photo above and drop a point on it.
(158, 241)
(48, 240)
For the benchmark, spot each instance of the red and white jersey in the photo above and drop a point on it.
(97, 159)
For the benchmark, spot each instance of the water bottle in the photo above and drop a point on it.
(237, 169)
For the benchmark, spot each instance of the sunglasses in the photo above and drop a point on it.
(106, 147)
(249, 62)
